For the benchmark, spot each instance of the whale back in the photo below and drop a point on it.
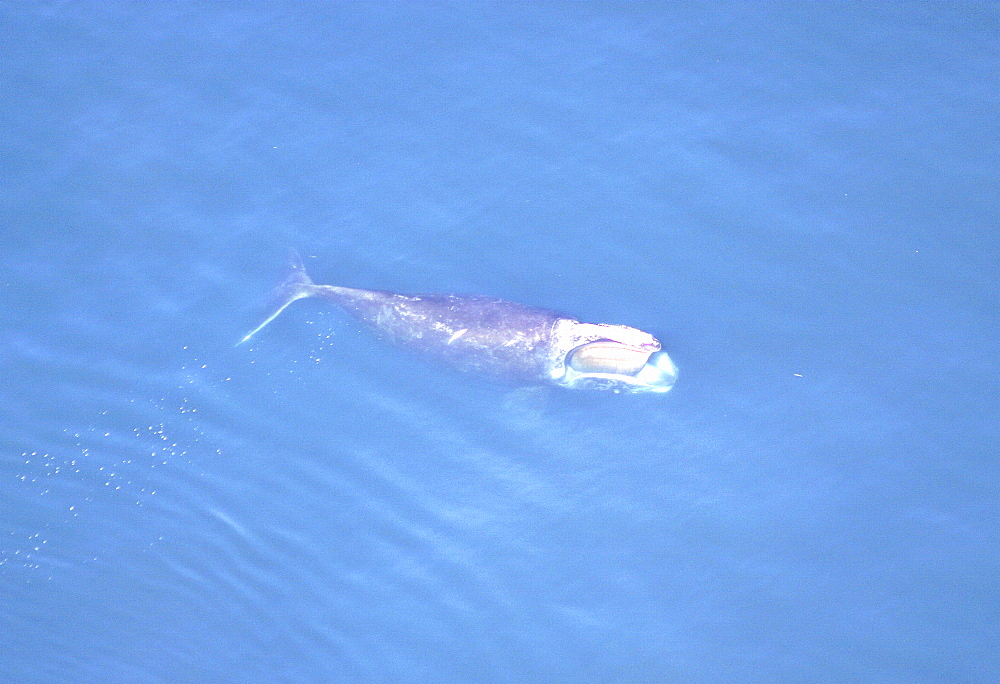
(473, 333)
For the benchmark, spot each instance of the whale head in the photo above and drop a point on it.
(611, 357)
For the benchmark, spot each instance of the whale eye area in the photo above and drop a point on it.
(606, 356)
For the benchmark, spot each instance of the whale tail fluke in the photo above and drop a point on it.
(295, 285)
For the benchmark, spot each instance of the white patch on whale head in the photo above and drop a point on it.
(612, 357)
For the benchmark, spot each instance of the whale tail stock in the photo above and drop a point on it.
(295, 285)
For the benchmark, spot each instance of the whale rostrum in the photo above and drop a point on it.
(496, 337)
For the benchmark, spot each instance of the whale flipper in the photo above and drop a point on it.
(296, 285)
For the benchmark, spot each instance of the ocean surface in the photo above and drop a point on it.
(800, 199)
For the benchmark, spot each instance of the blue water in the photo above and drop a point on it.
(799, 199)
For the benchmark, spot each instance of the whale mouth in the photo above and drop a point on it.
(606, 364)
(605, 356)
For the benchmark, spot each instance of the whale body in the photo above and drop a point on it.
(486, 335)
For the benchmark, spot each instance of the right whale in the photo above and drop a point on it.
(496, 337)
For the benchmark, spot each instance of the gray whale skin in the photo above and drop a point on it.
(496, 337)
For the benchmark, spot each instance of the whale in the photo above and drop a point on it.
(515, 342)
